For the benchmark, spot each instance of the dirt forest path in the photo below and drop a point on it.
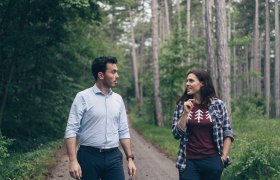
(151, 163)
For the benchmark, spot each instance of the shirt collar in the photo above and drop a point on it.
(96, 90)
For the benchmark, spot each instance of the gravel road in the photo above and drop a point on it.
(151, 163)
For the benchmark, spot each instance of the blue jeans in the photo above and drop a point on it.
(202, 169)
(101, 165)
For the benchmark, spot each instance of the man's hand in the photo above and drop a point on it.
(131, 167)
(75, 170)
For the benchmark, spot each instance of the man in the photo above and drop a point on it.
(98, 121)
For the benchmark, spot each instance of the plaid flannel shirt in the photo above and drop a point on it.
(221, 129)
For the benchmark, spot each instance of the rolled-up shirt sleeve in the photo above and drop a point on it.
(123, 125)
(75, 116)
(227, 129)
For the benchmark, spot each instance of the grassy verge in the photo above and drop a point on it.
(255, 152)
(31, 165)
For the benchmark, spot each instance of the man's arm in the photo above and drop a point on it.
(74, 167)
(128, 152)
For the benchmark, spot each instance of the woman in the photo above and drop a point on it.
(202, 124)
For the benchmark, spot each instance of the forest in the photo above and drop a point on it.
(47, 46)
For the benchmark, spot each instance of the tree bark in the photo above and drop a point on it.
(211, 63)
(267, 59)
(157, 99)
(167, 18)
(112, 32)
(188, 20)
(141, 55)
(134, 62)
(179, 15)
(277, 61)
(256, 59)
(222, 51)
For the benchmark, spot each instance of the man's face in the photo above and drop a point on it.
(111, 75)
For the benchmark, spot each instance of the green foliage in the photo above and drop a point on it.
(174, 66)
(246, 12)
(51, 48)
(74, 3)
(248, 107)
(255, 151)
(258, 160)
(4, 143)
(29, 165)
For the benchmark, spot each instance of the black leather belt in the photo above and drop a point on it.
(98, 149)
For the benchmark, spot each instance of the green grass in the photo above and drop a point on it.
(31, 165)
(255, 151)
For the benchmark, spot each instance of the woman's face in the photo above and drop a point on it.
(193, 85)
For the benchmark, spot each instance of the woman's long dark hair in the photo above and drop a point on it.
(207, 91)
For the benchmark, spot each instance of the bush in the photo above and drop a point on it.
(4, 143)
(248, 107)
(30, 165)
(259, 160)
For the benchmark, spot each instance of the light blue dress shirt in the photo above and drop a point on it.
(98, 120)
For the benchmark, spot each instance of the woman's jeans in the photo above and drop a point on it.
(202, 169)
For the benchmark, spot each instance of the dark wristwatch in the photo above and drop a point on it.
(130, 156)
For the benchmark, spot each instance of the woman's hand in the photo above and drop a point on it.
(188, 105)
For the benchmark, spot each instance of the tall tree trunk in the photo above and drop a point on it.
(142, 54)
(247, 70)
(235, 65)
(161, 29)
(234, 73)
(188, 25)
(277, 61)
(267, 59)
(134, 62)
(256, 67)
(167, 18)
(113, 29)
(158, 105)
(211, 63)
(222, 51)
(179, 15)
(188, 20)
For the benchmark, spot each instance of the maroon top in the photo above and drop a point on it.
(200, 144)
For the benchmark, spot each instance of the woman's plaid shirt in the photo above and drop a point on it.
(221, 128)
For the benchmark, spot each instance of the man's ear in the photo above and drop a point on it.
(100, 75)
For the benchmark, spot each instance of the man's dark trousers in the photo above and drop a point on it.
(98, 165)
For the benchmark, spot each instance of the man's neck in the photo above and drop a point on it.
(102, 88)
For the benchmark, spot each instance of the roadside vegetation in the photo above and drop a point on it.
(256, 149)
(34, 164)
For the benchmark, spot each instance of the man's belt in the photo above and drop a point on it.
(98, 149)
